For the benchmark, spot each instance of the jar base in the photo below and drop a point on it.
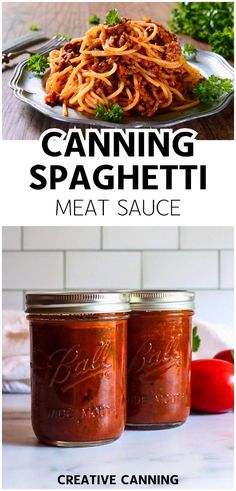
(153, 426)
(59, 443)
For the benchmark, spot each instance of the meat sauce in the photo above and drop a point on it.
(78, 375)
(118, 36)
(159, 362)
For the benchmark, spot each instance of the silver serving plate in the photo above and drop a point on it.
(30, 89)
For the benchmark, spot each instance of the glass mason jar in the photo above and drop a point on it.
(159, 358)
(78, 366)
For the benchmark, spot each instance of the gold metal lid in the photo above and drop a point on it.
(77, 301)
(161, 300)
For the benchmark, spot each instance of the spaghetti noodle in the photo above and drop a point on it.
(136, 64)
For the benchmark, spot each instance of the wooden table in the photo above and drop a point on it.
(23, 122)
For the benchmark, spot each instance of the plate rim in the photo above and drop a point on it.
(19, 94)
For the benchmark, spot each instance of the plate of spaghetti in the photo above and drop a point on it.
(132, 72)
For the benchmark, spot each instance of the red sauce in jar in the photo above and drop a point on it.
(78, 370)
(159, 359)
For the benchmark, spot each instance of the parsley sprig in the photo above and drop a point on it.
(37, 64)
(201, 19)
(211, 89)
(34, 27)
(94, 19)
(222, 42)
(113, 112)
(189, 51)
(112, 18)
(212, 22)
(196, 341)
(65, 36)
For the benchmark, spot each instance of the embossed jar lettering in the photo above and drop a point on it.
(72, 366)
(159, 358)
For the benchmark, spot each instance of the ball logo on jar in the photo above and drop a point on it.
(71, 366)
(150, 359)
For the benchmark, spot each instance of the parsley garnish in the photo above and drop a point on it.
(196, 341)
(211, 89)
(189, 51)
(37, 64)
(212, 22)
(65, 36)
(94, 20)
(222, 42)
(200, 19)
(112, 18)
(114, 112)
(34, 27)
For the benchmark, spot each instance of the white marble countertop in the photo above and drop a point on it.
(200, 452)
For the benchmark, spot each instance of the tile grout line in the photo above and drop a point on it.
(117, 250)
(179, 238)
(141, 269)
(101, 238)
(219, 272)
(64, 269)
(22, 238)
(23, 299)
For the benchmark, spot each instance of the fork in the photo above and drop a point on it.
(53, 43)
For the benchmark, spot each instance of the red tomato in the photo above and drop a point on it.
(212, 386)
(227, 355)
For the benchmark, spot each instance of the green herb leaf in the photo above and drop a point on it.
(212, 22)
(65, 36)
(34, 27)
(94, 20)
(200, 19)
(112, 18)
(232, 353)
(37, 64)
(189, 51)
(196, 341)
(223, 42)
(113, 113)
(211, 89)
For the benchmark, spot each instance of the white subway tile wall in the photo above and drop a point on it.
(57, 238)
(207, 238)
(33, 270)
(11, 239)
(180, 269)
(55, 258)
(103, 269)
(226, 269)
(12, 299)
(140, 238)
